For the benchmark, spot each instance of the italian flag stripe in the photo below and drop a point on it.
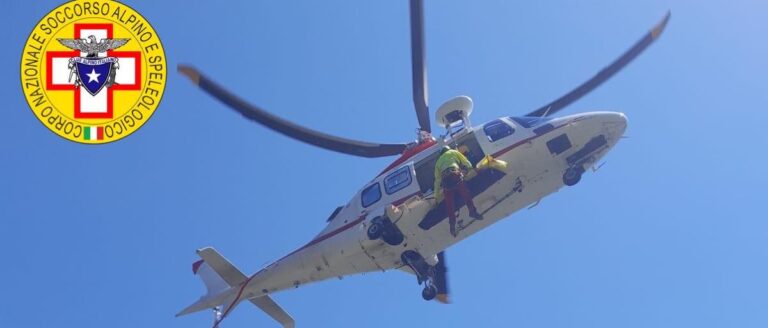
(93, 133)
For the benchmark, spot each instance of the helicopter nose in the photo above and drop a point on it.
(614, 124)
(617, 118)
(610, 125)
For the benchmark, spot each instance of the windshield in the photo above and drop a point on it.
(497, 129)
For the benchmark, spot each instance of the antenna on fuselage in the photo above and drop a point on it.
(454, 114)
(546, 112)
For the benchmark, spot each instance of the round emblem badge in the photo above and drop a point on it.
(93, 71)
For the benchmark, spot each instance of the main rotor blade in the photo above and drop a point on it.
(604, 74)
(441, 279)
(293, 130)
(419, 65)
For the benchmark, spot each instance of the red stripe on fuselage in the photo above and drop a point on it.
(343, 228)
(237, 298)
(408, 154)
(328, 235)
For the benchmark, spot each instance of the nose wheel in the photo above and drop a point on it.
(572, 175)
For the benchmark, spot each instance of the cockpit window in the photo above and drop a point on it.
(371, 195)
(542, 129)
(497, 129)
(528, 121)
(335, 212)
(397, 180)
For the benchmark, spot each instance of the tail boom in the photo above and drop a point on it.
(224, 289)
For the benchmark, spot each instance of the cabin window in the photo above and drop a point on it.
(371, 195)
(397, 180)
(559, 144)
(497, 129)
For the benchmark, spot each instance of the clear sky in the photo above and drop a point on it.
(672, 232)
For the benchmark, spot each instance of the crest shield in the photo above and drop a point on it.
(94, 74)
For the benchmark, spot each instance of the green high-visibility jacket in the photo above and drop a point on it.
(451, 158)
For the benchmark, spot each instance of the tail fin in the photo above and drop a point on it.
(224, 284)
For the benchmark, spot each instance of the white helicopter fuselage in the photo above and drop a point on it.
(536, 162)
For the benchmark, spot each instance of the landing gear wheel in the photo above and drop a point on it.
(375, 230)
(572, 175)
(382, 227)
(429, 292)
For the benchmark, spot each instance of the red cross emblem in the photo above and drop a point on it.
(58, 77)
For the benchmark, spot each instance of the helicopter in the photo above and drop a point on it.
(395, 221)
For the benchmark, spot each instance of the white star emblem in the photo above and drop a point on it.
(93, 76)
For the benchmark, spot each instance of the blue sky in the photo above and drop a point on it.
(670, 233)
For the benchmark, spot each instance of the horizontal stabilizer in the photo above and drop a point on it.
(226, 298)
(266, 304)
